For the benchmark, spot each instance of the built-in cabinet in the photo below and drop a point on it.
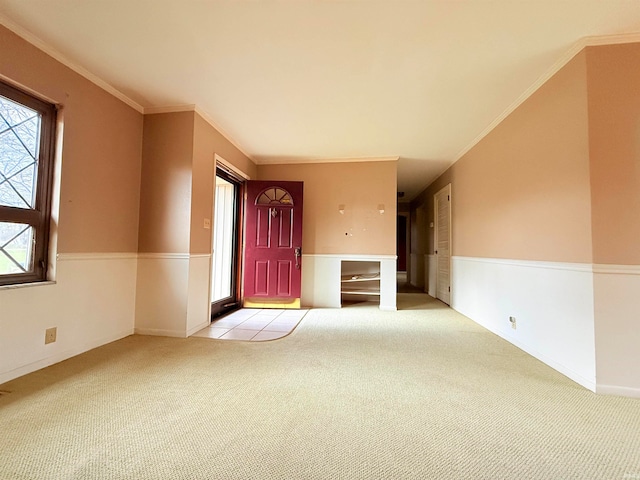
(360, 281)
(326, 279)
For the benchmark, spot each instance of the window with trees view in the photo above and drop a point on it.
(26, 163)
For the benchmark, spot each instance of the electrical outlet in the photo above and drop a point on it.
(512, 320)
(50, 335)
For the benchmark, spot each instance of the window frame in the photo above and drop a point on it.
(39, 217)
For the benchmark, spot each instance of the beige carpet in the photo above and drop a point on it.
(357, 393)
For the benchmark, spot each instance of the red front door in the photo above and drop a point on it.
(273, 244)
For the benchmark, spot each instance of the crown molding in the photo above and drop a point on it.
(169, 109)
(222, 132)
(302, 160)
(595, 41)
(204, 115)
(576, 48)
(52, 52)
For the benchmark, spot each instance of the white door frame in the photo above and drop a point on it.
(444, 190)
(219, 162)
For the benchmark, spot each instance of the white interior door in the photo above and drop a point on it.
(442, 215)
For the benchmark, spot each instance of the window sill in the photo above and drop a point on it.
(26, 285)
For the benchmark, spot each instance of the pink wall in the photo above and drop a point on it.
(165, 199)
(523, 192)
(559, 181)
(614, 151)
(360, 187)
(100, 176)
(177, 181)
(96, 210)
(207, 142)
(613, 75)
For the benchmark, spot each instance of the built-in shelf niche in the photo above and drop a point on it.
(360, 281)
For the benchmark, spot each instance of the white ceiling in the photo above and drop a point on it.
(307, 80)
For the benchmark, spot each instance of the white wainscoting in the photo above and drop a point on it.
(91, 302)
(553, 304)
(417, 270)
(617, 316)
(432, 265)
(388, 282)
(199, 296)
(172, 294)
(321, 279)
(162, 294)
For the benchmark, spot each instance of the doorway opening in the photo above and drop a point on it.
(401, 242)
(227, 230)
(403, 273)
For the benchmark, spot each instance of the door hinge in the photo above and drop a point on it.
(449, 288)
(448, 198)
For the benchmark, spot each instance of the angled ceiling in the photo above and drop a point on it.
(307, 80)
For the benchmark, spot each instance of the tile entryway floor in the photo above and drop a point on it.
(253, 324)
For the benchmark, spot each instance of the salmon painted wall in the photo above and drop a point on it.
(206, 143)
(100, 176)
(172, 294)
(177, 181)
(521, 227)
(614, 144)
(95, 223)
(523, 191)
(613, 75)
(557, 181)
(165, 195)
(360, 187)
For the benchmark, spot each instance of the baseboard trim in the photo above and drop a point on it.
(197, 328)
(159, 332)
(61, 356)
(619, 391)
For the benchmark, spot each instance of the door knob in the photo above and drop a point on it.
(298, 253)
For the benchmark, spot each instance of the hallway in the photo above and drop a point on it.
(404, 286)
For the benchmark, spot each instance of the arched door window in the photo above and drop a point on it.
(274, 196)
